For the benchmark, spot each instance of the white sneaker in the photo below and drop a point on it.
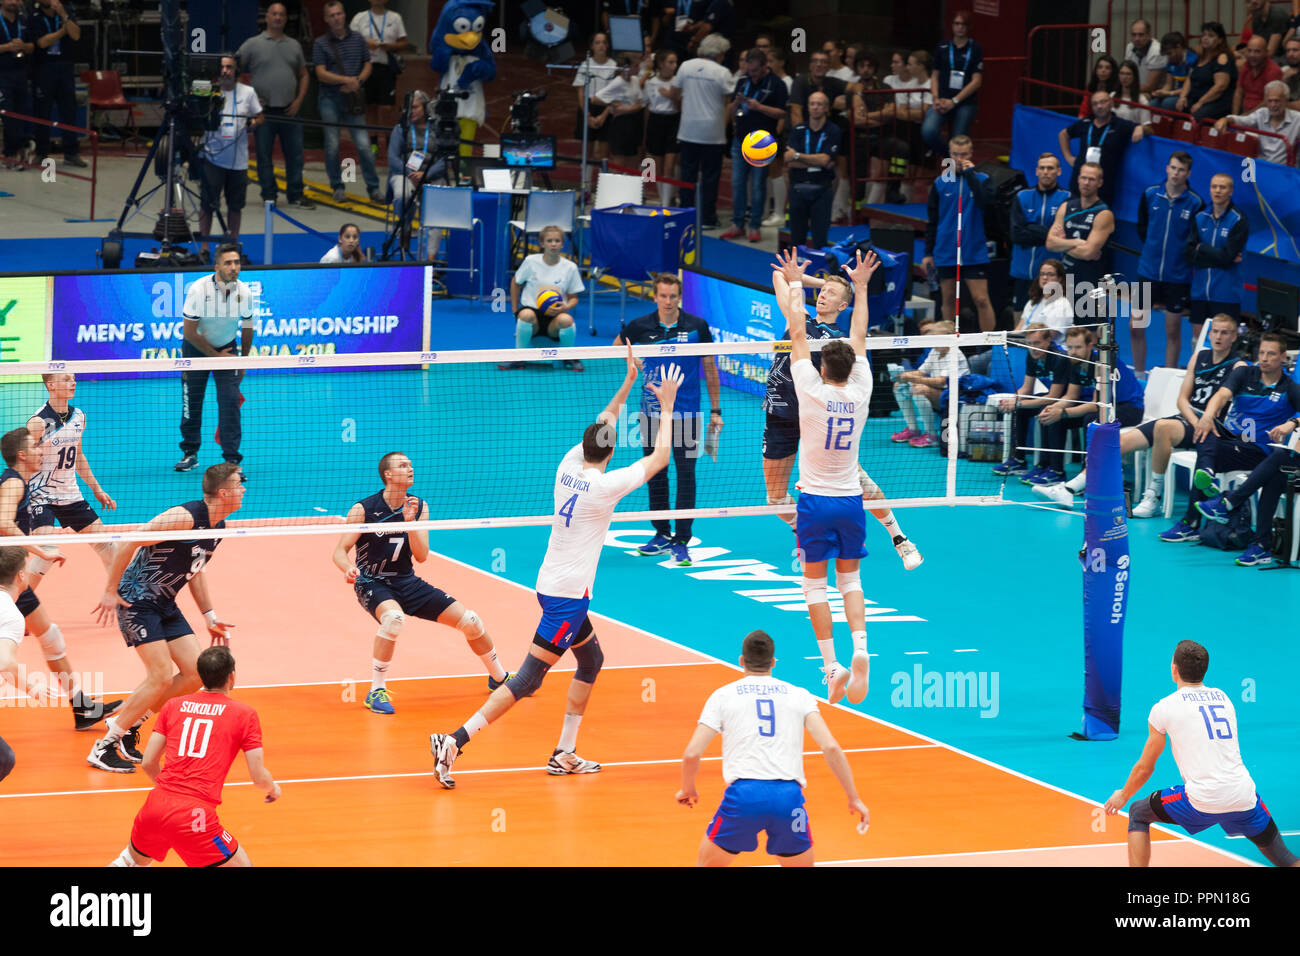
(445, 752)
(1149, 506)
(566, 761)
(836, 680)
(911, 557)
(775, 220)
(860, 677)
(1058, 494)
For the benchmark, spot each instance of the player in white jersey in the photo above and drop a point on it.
(57, 430)
(586, 494)
(833, 407)
(1217, 789)
(762, 721)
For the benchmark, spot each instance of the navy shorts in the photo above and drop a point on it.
(77, 515)
(414, 595)
(1171, 805)
(1148, 430)
(1020, 293)
(144, 622)
(1171, 296)
(780, 437)
(831, 527)
(27, 602)
(979, 271)
(563, 619)
(774, 806)
(1204, 309)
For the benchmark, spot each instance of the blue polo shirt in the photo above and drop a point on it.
(648, 330)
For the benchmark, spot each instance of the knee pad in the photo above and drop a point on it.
(1141, 816)
(814, 590)
(869, 488)
(471, 625)
(104, 549)
(847, 582)
(36, 565)
(390, 625)
(7, 759)
(590, 658)
(52, 643)
(528, 678)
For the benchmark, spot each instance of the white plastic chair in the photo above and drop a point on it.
(545, 207)
(1161, 401)
(451, 207)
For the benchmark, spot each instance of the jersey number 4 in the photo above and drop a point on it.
(843, 438)
(67, 457)
(566, 509)
(191, 745)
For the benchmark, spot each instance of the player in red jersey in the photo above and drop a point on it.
(202, 734)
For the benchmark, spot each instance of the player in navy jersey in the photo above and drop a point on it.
(668, 323)
(143, 582)
(22, 460)
(58, 428)
(387, 586)
(1217, 790)
(1262, 397)
(781, 410)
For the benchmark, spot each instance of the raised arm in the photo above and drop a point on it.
(614, 409)
(787, 282)
(860, 275)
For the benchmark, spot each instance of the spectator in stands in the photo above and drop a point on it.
(1166, 215)
(1046, 304)
(225, 155)
(1214, 247)
(810, 160)
(664, 109)
(622, 105)
(1291, 72)
(954, 84)
(707, 18)
(1266, 21)
(15, 55)
(1047, 364)
(776, 61)
(840, 65)
(1273, 117)
(705, 85)
(817, 79)
(54, 81)
(911, 116)
(1082, 231)
(974, 190)
(855, 54)
(1256, 72)
(548, 269)
(597, 69)
(407, 157)
(275, 63)
(1207, 90)
(1078, 408)
(1178, 63)
(342, 64)
(1145, 51)
(1102, 140)
(917, 392)
(385, 37)
(875, 119)
(865, 66)
(348, 248)
(1032, 213)
(759, 104)
(1262, 398)
(1266, 478)
(776, 183)
(1206, 372)
(1105, 77)
(1130, 92)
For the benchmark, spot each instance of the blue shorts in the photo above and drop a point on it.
(414, 595)
(831, 527)
(144, 622)
(749, 806)
(562, 619)
(1174, 807)
(77, 515)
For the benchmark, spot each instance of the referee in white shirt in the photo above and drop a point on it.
(1217, 789)
(215, 308)
(762, 721)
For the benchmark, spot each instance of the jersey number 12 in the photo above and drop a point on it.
(844, 437)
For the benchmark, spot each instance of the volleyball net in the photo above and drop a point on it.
(485, 441)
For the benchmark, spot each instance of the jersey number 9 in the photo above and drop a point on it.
(766, 715)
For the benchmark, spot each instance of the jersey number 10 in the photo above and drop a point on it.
(191, 745)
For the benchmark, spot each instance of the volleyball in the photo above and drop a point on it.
(758, 148)
(549, 302)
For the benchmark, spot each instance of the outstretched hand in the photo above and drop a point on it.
(633, 363)
(666, 389)
(788, 264)
(860, 274)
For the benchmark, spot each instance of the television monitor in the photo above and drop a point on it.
(1278, 305)
(528, 152)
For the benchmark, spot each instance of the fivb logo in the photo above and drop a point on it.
(76, 909)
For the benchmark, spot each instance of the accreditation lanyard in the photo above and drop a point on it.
(378, 31)
(415, 161)
(1092, 127)
(58, 22)
(9, 36)
(956, 77)
(230, 129)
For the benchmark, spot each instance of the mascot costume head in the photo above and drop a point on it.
(461, 56)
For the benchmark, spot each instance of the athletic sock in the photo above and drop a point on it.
(494, 668)
(568, 336)
(1077, 483)
(905, 406)
(859, 641)
(665, 192)
(891, 525)
(1157, 485)
(469, 729)
(569, 735)
(523, 334)
(378, 674)
(827, 647)
(113, 731)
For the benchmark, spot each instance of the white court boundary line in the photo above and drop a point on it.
(941, 856)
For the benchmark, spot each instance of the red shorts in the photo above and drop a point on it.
(170, 821)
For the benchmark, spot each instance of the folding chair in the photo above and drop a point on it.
(449, 207)
(544, 208)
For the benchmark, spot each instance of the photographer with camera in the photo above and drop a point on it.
(413, 158)
(342, 63)
(225, 155)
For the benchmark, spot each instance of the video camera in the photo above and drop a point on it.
(443, 113)
(523, 111)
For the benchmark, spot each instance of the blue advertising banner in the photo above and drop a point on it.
(736, 312)
(1106, 584)
(300, 312)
